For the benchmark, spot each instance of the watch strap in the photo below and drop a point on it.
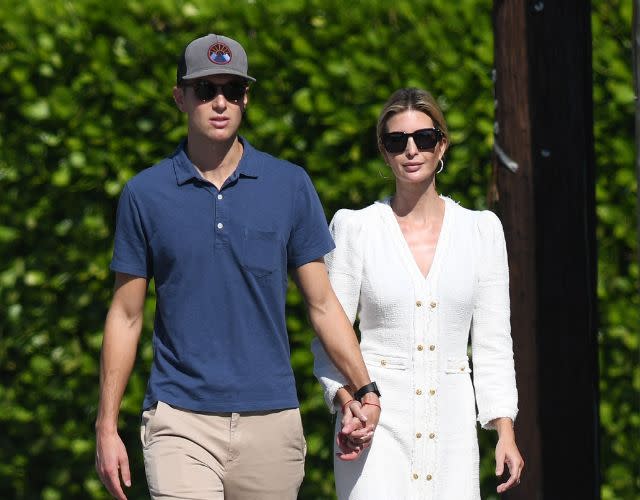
(372, 387)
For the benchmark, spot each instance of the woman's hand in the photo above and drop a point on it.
(349, 448)
(358, 425)
(507, 453)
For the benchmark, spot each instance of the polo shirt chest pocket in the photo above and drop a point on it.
(260, 251)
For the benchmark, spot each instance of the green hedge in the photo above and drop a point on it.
(618, 272)
(85, 103)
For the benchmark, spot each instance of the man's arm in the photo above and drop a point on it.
(119, 346)
(335, 331)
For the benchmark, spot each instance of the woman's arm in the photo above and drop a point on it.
(494, 373)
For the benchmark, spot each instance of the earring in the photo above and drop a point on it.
(441, 166)
(382, 175)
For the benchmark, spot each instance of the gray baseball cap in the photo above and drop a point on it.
(213, 55)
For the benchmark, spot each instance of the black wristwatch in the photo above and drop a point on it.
(372, 387)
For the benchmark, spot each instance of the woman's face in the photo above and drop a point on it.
(413, 165)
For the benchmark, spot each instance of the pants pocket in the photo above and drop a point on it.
(147, 421)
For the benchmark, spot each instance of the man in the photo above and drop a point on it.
(217, 225)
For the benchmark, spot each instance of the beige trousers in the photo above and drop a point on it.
(222, 456)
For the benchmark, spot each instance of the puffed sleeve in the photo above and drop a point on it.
(492, 350)
(345, 273)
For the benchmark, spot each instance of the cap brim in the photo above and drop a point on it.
(209, 72)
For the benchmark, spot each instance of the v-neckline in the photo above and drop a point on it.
(404, 245)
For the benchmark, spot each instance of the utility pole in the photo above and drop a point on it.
(544, 193)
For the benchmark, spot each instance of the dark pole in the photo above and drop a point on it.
(514, 199)
(545, 195)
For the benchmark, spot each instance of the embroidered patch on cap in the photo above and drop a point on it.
(219, 53)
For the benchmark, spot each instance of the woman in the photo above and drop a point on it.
(423, 275)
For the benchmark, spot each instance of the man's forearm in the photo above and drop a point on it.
(340, 342)
(331, 323)
(116, 362)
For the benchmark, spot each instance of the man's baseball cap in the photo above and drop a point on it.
(213, 55)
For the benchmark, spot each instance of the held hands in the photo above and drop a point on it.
(112, 462)
(358, 425)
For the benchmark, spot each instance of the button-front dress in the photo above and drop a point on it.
(415, 332)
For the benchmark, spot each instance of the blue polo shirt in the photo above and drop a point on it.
(219, 259)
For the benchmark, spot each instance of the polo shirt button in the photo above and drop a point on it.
(432, 347)
(418, 392)
(432, 435)
(219, 196)
(383, 362)
(432, 392)
(429, 477)
(220, 225)
(418, 303)
(433, 304)
(420, 347)
(415, 476)
(418, 435)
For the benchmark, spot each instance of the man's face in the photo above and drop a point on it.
(214, 105)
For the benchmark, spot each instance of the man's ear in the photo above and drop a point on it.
(243, 104)
(178, 97)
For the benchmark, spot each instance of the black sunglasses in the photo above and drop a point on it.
(206, 91)
(425, 138)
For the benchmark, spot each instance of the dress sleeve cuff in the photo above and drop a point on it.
(331, 387)
(486, 418)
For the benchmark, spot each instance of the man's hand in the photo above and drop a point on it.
(347, 441)
(112, 462)
(358, 426)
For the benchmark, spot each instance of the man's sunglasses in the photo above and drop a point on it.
(425, 138)
(206, 90)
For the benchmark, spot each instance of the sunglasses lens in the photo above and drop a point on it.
(425, 139)
(233, 91)
(206, 91)
(394, 142)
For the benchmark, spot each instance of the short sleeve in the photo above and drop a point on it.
(130, 250)
(309, 239)
(492, 350)
(345, 273)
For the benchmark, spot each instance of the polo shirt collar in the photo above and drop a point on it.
(186, 171)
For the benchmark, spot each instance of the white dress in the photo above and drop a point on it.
(414, 337)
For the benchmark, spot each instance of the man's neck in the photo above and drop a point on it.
(215, 161)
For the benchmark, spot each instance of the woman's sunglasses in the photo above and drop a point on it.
(425, 138)
(206, 90)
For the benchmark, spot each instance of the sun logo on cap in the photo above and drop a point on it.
(219, 53)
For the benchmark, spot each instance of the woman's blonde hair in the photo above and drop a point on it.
(411, 99)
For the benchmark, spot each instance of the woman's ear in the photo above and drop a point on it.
(443, 145)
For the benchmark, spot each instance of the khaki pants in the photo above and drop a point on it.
(222, 456)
